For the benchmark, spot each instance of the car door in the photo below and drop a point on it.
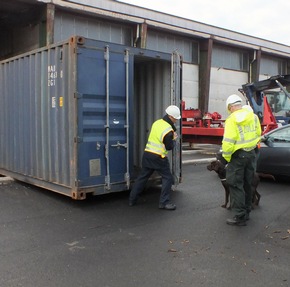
(275, 153)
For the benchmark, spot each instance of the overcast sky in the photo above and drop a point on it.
(266, 19)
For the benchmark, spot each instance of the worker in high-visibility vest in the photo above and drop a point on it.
(241, 135)
(161, 139)
(257, 149)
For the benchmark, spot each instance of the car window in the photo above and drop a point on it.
(281, 135)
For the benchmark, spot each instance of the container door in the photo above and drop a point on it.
(176, 76)
(104, 85)
(118, 81)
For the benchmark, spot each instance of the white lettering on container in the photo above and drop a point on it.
(52, 75)
(53, 102)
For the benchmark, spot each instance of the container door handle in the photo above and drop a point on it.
(118, 145)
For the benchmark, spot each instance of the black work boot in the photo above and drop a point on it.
(132, 202)
(238, 221)
(167, 206)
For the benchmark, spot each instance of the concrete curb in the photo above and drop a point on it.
(196, 161)
(5, 179)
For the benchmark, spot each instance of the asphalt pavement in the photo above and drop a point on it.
(51, 240)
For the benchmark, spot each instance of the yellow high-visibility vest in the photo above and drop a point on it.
(242, 131)
(159, 130)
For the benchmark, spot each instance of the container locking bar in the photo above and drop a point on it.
(127, 174)
(107, 126)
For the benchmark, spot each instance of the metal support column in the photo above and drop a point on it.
(204, 73)
(255, 65)
(50, 24)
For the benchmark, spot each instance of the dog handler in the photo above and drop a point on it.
(161, 139)
(241, 135)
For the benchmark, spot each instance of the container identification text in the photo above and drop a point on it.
(52, 75)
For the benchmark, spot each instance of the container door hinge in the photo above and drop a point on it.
(78, 95)
(78, 139)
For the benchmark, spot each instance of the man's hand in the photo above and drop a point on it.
(223, 161)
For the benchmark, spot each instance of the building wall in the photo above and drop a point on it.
(272, 65)
(67, 25)
(222, 84)
(169, 42)
(190, 76)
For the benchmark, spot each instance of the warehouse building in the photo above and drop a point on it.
(216, 62)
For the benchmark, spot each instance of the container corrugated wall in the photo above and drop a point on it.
(35, 141)
(150, 98)
(73, 114)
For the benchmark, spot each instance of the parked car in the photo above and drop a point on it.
(274, 157)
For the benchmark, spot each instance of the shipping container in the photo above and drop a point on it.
(75, 116)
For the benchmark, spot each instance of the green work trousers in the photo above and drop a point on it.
(239, 175)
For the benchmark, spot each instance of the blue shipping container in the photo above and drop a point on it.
(75, 116)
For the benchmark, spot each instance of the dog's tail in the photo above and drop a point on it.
(266, 175)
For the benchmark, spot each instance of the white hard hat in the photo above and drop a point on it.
(173, 111)
(233, 100)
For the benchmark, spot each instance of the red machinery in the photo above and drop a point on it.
(209, 127)
(201, 128)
